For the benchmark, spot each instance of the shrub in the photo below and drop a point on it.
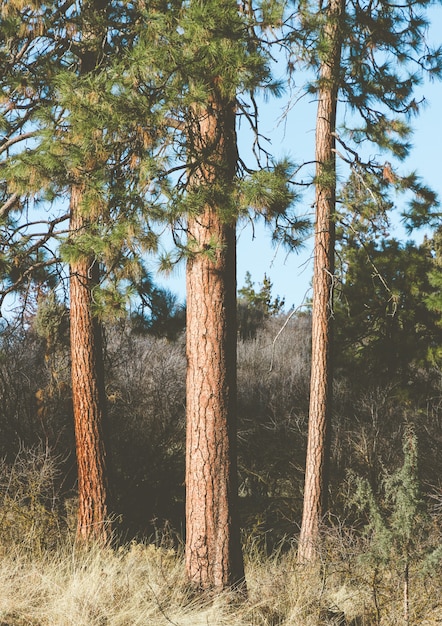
(29, 506)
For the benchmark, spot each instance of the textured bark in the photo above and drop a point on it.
(88, 386)
(88, 393)
(213, 551)
(315, 487)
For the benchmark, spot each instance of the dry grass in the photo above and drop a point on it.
(136, 585)
(46, 579)
(144, 585)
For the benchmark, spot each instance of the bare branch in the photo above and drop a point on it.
(24, 276)
(303, 305)
(8, 205)
(13, 140)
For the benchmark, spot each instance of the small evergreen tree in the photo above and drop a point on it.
(255, 307)
(396, 521)
(434, 298)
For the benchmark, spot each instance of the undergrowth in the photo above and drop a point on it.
(48, 579)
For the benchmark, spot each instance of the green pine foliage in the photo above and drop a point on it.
(385, 55)
(384, 327)
(121, 132)
(82, 135)
(214, 47)
(267, 193)
(256, 307)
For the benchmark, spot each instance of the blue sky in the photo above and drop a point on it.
(291, 273)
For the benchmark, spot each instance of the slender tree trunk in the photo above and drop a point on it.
(88, 391)
(213, 551)
(315, 488)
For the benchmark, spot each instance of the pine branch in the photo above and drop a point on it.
(9, 205)
(13, 140)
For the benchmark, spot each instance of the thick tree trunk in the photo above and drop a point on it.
(315, 487)
(88, 387)
(88, 392)
(213, 551)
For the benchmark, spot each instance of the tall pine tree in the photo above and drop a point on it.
(222, 61)
(369, 57)
(84, 146)
(323, 283)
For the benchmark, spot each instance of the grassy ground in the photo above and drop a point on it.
(47, 579)
(144, 585)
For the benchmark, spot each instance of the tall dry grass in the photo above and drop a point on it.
(140, 584)
(47, 579)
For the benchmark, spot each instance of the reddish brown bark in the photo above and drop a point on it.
(88, 394)
(315, 487)
(213, 551)
(88, 390)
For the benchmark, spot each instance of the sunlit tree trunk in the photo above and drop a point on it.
(315, 487)
(88, 387)
(88, 392)
(213, 551)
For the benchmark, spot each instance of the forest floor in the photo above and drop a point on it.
(140, 584)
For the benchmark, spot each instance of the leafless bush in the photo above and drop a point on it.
(146, 401)
(34, 393)
(273, 373)
(29, 506)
